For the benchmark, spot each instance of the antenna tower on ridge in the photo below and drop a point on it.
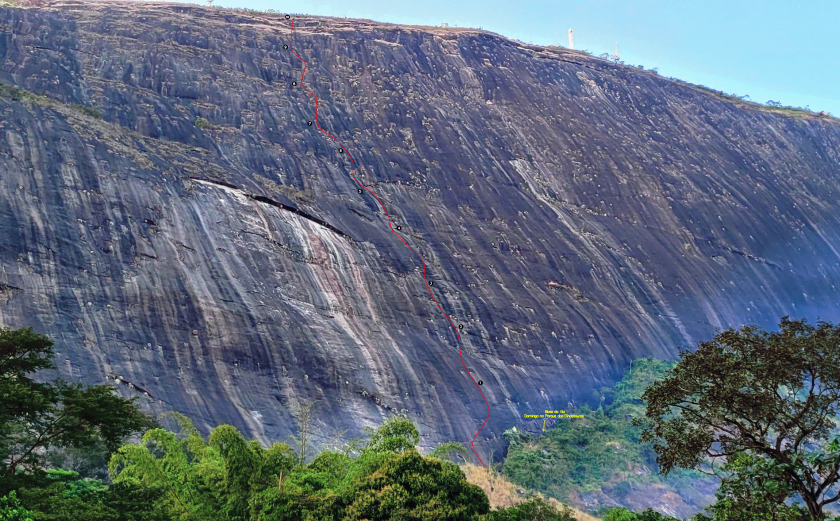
(571, 40)
(615, 56)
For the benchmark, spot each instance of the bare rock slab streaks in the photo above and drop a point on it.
(205, 244)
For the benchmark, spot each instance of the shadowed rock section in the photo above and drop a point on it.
(272, 202)
(574, 215)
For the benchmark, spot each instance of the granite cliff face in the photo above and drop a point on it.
(574, 215)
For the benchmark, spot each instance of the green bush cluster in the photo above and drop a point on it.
(10, 509)
(90, 111)
(18, 94)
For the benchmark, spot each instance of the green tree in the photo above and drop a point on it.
(409, 487)
(304, 495)
(620, 514)
(756, 491)
(75, 500)
(397, 434)
(191, 474)
(333, 466)
(241, 464)
(88, 462)
(35, 417)
(10, 509)
(769, 395)
(272, 466)
(447, 449)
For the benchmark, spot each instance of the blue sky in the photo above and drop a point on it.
(781, 50)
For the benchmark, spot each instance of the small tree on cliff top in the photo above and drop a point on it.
(772, 396)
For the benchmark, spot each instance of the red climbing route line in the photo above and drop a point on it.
(353, 174)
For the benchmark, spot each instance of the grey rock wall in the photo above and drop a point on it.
(574, 215)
